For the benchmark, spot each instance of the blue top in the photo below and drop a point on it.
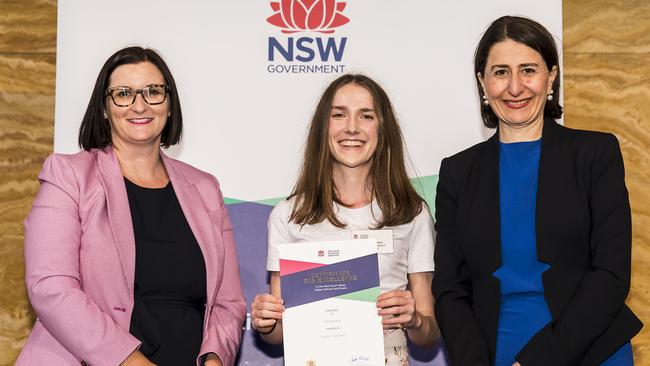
(520, 271)
(523, 310)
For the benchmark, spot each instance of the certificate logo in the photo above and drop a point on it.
(311, 52)
(321, 253)
(310, 363)
(333, 253)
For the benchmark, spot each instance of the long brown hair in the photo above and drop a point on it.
(315, 192)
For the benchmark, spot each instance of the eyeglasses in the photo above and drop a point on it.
(123, 96)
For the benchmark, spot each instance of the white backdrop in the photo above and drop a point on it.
(247, 125)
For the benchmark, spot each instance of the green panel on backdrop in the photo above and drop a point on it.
(230, 201)
(426, 187)
(271, 201)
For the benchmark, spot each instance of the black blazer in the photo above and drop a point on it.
(583, 229)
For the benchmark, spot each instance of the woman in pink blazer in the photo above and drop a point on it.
(129, 255)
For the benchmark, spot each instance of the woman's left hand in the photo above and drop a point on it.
(213, 360)
(397, 307)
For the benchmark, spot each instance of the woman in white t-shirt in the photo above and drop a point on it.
(353, 178)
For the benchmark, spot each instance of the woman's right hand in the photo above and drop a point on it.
(137, 359)
(266, 311)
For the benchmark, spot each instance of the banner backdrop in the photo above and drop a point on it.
(250, 73)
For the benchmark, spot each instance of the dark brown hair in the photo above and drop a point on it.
(531, 34)
(95, 130)
(315, 192)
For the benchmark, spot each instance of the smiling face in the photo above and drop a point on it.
(517, 82)
(140, 123)
(353, 127)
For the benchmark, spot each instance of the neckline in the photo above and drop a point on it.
(354, 211)
(346, 208)
(533, 142)
(129, 182)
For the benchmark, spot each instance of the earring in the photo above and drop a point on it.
(105, 115)
(485, 100)
(549, 97)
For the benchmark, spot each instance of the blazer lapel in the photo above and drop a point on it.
(119, 213)
(550, 157)
(487, 194)
(199, 220)
(482, 226)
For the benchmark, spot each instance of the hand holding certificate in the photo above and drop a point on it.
(329, 291)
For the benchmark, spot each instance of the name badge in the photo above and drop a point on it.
(384, 238)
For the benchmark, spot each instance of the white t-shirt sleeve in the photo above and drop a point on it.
(421, 243)
(278, 232)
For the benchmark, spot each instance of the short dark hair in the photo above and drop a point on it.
(95, 131)
(531, 34)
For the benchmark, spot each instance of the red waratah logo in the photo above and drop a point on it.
(308, 15)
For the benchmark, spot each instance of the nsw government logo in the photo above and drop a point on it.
(306, 43)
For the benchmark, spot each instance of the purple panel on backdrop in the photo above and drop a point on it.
(249, 225)
(434, 356)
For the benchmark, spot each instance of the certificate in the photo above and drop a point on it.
(330, 291)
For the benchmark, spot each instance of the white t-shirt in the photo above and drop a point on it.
(412, 252)
(412, 242)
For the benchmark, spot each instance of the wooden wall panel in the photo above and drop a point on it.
(27, 77)
(605, 26)
(28, 26)
(607, 88)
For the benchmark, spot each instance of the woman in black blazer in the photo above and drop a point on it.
(533, 225)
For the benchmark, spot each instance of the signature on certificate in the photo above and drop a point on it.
(359, 360)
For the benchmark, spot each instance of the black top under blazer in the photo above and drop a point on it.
(583, 229)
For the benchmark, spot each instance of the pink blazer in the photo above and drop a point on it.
(80, 261)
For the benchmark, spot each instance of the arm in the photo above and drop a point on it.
(267, 310)
(604, 287)
(229, 307)
(52, 243)
(411, 309)
(427, 333)
(452, 286)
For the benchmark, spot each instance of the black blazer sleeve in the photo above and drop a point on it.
(605, 285)
(452, 287)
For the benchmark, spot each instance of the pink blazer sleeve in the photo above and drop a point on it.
(228, 311)
(52, 243)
